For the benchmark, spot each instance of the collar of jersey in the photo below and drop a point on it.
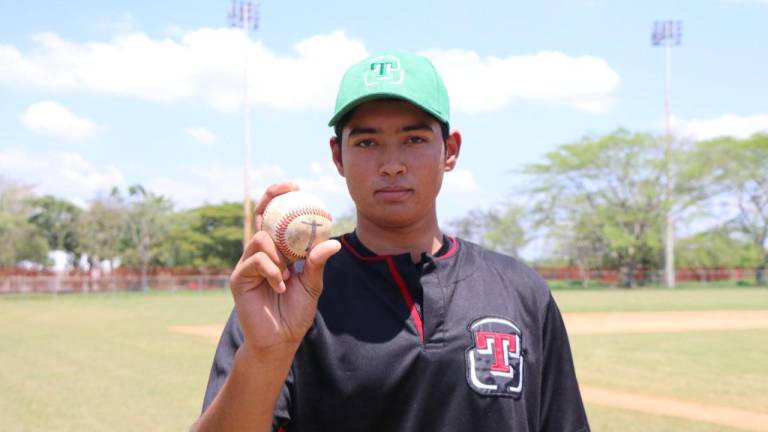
(353, 244)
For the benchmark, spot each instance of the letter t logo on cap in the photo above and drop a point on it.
(384, 69)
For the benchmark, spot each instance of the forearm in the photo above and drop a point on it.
(247, 399)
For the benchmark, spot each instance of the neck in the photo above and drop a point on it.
(415, 239)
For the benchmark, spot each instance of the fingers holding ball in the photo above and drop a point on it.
(296, 221)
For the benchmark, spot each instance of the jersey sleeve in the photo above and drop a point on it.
(230, 341)
(562, 409)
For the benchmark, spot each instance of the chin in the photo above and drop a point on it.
(395, 218)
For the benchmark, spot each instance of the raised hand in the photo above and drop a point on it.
(275, 302)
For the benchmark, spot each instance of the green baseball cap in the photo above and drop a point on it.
(393, 74)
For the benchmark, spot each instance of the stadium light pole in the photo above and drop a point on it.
(668, 33)
(244, 14)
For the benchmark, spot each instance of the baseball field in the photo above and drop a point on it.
(647, 360)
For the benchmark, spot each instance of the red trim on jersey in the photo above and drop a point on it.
(399, 281)
(357, 254)
(407, 296)
(452, 251)
(282, 429)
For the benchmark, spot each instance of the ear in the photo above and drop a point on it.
(452, 149)
(336, 155)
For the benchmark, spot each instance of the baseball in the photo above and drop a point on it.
(296, 221)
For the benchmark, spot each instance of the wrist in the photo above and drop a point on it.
(272, 355)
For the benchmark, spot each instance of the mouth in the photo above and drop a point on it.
(393, 193)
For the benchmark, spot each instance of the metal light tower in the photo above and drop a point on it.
(668, 33)
(244, 14)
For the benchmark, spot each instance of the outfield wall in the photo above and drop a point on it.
(25, 281)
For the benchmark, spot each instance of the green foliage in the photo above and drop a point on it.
(20, 239)
(497, 229)
(56, 219)
(716, 248)
(605, 196)
(503, 231)
(739, 168)
(344, 224)
(210, 236)
(470, 226)
(101, 231)
(147, 219)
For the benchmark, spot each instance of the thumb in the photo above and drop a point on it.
(315, 263)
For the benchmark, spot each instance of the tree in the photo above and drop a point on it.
(21, 240)
(609, 191)
(470, 227)
(739, 168)
(147, 223)
(344, 224)
(503, 230)
(57, 220)
(497, 229)
(101, 230)
(717, 248)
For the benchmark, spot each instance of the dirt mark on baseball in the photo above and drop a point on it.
(629, 323)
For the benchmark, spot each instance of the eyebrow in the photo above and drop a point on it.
(362, 130)
(409, 128)
(420, 126)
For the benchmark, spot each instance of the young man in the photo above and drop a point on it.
(394, 327)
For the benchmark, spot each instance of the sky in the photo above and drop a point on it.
(101, 94)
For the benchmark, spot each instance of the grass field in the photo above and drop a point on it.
(107, 362)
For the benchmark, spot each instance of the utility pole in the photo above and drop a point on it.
(668, 33)
(244, 14)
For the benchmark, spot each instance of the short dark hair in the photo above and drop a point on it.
(339, 126)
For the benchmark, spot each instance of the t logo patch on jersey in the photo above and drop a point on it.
(495, 358)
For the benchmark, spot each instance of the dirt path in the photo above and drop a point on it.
(656, 405)
(664, 322)
(210, 331)
(638, 322)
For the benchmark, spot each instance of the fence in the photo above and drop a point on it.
(172, 280)
(612, 277)
(85, 283)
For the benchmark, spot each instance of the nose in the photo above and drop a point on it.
(392, 164)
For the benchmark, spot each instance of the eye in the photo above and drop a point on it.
(365, 143)
(415, 140)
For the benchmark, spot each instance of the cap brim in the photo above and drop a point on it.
(374, 96)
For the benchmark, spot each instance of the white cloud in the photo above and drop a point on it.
(482, 84)
(325, 181)
(54, 120)
(204, 63)
(200, 134)
(215, 182)
(726, 125)
(459, 182)
(208, 64)
(63, 174)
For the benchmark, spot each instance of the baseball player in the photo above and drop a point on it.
(395, 326)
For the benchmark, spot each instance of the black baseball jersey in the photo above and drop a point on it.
(465, 340)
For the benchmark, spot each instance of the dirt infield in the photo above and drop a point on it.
(656, 405)
(638, 322)
(664, 322)
(210, 331)
(611, 322)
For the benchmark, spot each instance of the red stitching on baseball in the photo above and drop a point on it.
(286, 220)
